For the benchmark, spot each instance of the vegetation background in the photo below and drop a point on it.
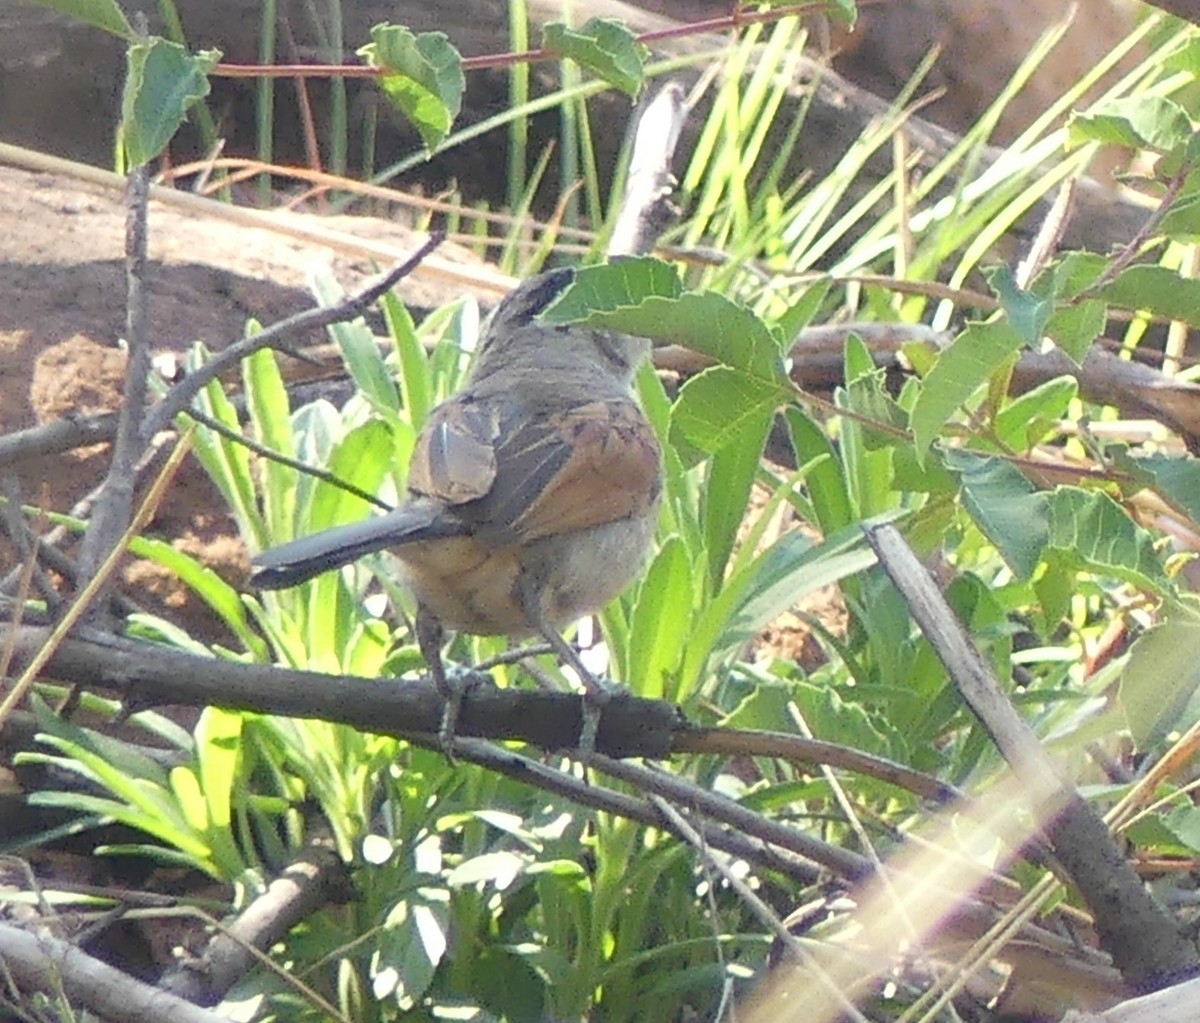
(1063, 532)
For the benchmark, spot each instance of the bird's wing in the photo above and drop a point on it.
(523, 477)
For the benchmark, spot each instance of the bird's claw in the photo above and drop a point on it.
(597, 694)
(453, 685)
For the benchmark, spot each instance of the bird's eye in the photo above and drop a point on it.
(611, 348)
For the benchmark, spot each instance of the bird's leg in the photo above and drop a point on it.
(595, 692)
(450, 685)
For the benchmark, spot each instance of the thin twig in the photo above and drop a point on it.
(181, 395)
(271, 454)
(114, 508)
(678, 824)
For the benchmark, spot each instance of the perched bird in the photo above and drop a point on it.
(533, 493)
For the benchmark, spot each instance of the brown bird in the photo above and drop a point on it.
(533, 493)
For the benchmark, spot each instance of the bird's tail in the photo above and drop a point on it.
(293, 563)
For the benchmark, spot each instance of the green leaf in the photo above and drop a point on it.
(1072, 273)
(1177, 479)
(1090, 530)
(105, 14)
(416, 378)
(1161, 678)
(1008, 509)
(162, 83)
(1145, 122)
(789, 570)
(1026, 421)
(718, 406)
(731, 474)
(360, 352)
(1026, 311)
(267, 404)
(423, 77)
(411, 944)
(959, 372)
(608, 287)
(1074, 327)
(660, 622)
(825, 481)
(605, 47)
(364, 456)
(224, 599)
(1182, 221)
(1159, 291)
(644, 297)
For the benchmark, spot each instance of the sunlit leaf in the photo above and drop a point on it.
(423, 77)
(605, 47)
(162, 83)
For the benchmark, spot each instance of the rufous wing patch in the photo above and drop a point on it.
(611, 471)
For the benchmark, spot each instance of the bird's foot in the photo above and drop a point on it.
(454, 683)
(597, 694)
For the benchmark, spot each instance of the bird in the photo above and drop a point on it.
(532, 498)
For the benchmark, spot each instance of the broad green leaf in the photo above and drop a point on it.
(959, 372)
(1187, 57)
(423, 77)
(788, 571)
(660, 622)
(162, 83)
(866, 394)
(1161, 678)
(643, 297)
(1008, 509)
(1072, 273)
(412, 943)
(719, 405)
(1027, 420)
(846, 11)
(608, 287)
(731, 474)
(363, 457)
(1026, 311)
(1144, 122)
(1074, 327)
(1090, 530)
(105, 14)
(1182, 221)
(1177, 479)
(1159, 291)
(605, 47)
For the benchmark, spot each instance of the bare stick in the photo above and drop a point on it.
(114, 508)
(181, 395)
(41, 963)
(646, 208)
(1144, 942)
(316, 877)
